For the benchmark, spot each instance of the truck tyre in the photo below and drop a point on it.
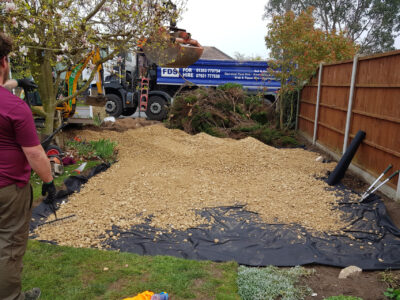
(113, 105)
(156, 108)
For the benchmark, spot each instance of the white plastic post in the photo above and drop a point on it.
(317, 104)
(350, 104)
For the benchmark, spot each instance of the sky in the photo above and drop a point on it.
(230, 25)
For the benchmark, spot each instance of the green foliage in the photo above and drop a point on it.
(102, 149)
(52, 36)
(70, 273)
(243, 57)
(228, 86)
(392, 280)
(228, 112)
(36, 182)
(270, 135)
(260, 117)
(97, 120)
(374, 28)
(297, 47)
(392, 293)
(342, 297)
(272, 283)
(83, 149)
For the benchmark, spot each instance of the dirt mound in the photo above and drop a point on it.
(121, 125)
(166, 175)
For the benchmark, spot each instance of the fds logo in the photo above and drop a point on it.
(169, 72)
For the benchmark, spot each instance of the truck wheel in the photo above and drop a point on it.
(156, 108)
(113, 105)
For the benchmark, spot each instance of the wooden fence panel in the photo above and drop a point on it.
(375, 109)
(337, 74)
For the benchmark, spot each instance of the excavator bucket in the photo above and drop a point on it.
(176, 56)
(173, 50)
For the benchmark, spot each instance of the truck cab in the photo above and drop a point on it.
(123, 87)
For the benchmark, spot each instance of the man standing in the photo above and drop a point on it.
(20, 150)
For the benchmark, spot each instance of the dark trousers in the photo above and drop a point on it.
(15, 215)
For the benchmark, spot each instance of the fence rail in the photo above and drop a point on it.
(361, 94)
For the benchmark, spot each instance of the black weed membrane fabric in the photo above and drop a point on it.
(371, 241)
(73, 184)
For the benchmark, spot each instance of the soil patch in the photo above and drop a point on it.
(325, 282)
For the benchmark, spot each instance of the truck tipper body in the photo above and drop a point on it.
(124, 95)
(252, 75)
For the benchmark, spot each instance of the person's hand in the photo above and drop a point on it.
(50, 190)
(26, 84)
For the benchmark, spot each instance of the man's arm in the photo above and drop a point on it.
(39, 162)
(26, 84)
(10, 84)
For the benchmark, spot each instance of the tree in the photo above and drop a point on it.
(243, 57)
(297, 47)
(373, 24)
(54, 35)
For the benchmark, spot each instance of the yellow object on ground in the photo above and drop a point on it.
(142, 296)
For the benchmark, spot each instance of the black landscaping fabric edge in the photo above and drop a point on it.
(371, 242)
(73, 184)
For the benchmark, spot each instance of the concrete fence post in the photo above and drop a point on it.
(397, 198)
(317, 104)
(350, 104)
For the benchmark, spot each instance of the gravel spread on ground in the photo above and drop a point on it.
(168, 174)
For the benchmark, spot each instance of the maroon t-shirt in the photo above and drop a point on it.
(17, 129)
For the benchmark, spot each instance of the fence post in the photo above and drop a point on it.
(350, 104)
(397, 197)
(297, 111)
(317, 104)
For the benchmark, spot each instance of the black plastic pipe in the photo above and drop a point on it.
(346, 159)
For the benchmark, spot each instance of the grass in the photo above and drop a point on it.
(36, 182)
(272, 283)
(69, 273)
(102, 149)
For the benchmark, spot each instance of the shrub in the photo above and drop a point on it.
(272, 283)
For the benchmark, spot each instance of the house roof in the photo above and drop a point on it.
(211, 52)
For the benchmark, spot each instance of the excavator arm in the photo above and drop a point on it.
(72, 77)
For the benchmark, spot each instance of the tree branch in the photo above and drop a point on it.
(93, 12)
(86, 85)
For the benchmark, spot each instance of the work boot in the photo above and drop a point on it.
(32, 294)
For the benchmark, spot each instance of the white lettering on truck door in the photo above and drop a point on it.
(169, 72)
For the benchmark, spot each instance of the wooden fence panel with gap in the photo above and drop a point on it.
(373, 98)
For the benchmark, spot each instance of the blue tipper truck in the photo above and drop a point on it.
(165, 82)
(252, 75)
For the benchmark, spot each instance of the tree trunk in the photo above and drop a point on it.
(281, 110)
(42, 74)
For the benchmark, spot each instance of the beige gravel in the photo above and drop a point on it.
(168, 174)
